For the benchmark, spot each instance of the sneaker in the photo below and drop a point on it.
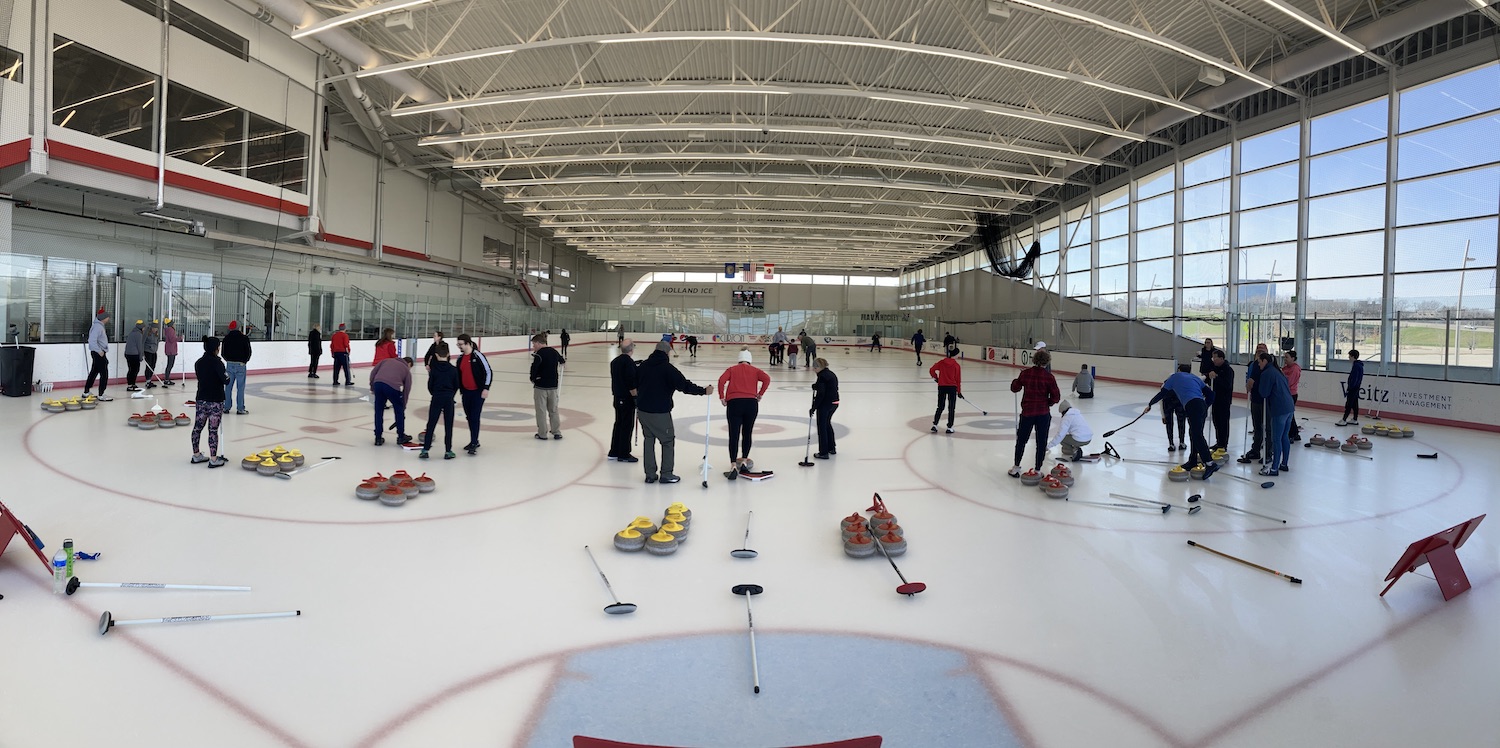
(242, 412)
(103, 398)
(1210, 469)
(670, 479)
(949, 431)
(422, 454)
(471, 446)
(1268, 470)
(1248, 457)
(821, 456)
(1014, 472)
(449, 455)
(379, 441)
(628, 458)
(1171, 447)
(348, 384)
(217, 461)
(557, 436)
(934, 428)
(1342, 422)
(475, 450)
(1078, 455)
(732, 474)
(1282, 469)
(404, 439)
(150, 385)
(650, 479)
(539, 436)
(199, 459)
(1354, 422)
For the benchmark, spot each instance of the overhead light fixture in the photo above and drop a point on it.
(357, 15)
(1211, 75)
(697, 135)
(525, 142)
(403, 21)
(997, 10)
(901, 142)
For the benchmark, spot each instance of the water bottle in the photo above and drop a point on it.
(68, 549)
(60, 572)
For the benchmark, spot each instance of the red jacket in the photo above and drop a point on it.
(339, 343)
(742, 381)
(384, 350)
(948, 373)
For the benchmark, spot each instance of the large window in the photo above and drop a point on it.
(204, 130)
(276, 154)
(99, 95)
(11, 65)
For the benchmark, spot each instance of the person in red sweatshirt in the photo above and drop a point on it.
(740, 388)
(385, 347)
(338, 345)
(949, 377)
(1039, 393)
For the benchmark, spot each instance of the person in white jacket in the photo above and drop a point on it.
(1073, 432)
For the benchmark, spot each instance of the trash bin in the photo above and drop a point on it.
(16, 363)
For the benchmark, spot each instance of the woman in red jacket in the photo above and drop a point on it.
(740, 389)
(385, 347)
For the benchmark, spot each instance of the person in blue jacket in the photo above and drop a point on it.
(1194, 396)
(1277, 395)
(1351, 390)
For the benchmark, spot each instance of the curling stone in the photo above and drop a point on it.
(678, 518)
(675, 530)
(851, 519)
(379, 480)
(400, 475)
(889, 528)
(661, 544)
(1368, 428)
(409, 488)
(894, 545)
(644, 526)
(855, 529)
(1054, 489)
(278, 450)
(57, 406)
(1177, 474)
(1031, 478)
(267, 467)
(73, 404)
(1331, 444)
(1391, 430)
(1198, 471)
(859, 546)
(250, 463)
(147, 422)
(266, 455)
(392, 496)
(1064, 476)
(678, 507)
(881, 516)
(286, 464)
(297, 457)
(135, 419)
(183, 420)
(1317, 440)
(367, 491)
(1365, 443)
(425, 484)
(90, 402)
(1408, 432)
(166, 422)
(629, 540)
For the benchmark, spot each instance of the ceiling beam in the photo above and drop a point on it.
(781, 179)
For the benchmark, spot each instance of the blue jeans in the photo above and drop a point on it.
(385, 393)
(235, 384)
(1279, 440)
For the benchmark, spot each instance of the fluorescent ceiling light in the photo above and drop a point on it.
(355, 15)
(966, 209)
(611, 92)
(413, 64)
(1317, 26)
(93, 99)
(736, 178)
(874, 163)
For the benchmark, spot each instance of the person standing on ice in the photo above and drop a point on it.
(1193, 394)
(917, 341)
(622, 385)
(1039, 393)
(213, 383)
(169, 341)
(1278, 398)
(657, 380)
(98, 355)
(740, 389)
(949, 376)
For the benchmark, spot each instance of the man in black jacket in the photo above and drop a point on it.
(474, 378)
(544, 362)
(236, 350)
(442, 384)
(314, 350)
(1220, 376)
(1206, 358)
(622, 383)
(657, 380)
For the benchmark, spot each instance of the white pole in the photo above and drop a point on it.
(160, 586)
(107, 621)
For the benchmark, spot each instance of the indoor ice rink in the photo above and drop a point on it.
(1111, 182)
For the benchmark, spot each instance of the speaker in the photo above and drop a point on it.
(16, 363)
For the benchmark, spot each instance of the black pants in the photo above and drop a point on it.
(1351, 405)
(1043, 426)
(473, 405)
(619, 438)
(439, 409)
(809, 353)
(171, 362)
(692, 347)
(100, 369)
(1198, 454)
(341, 361)
(150, 357)
(741, 412)
(826, 445)
(919, 353)
(1222, 404)
(1181, 418)
(132, 368)
(950, 394)
(1296, 433)
(1257, 424)
(312, 364)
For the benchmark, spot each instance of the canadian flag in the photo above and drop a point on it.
(769, 269)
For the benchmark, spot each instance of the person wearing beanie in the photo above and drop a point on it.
(809, 349)
(1072, 432)
(825, 402)
(1193, 393)
(622, 387)
(314, 350)
(443, 384)
(1039, 393)
(544, 380)
(339, 347)
(236, 351)
(213, 384)
(741, 387)
(169, 341)
(98, 355)
(656, 382)
(134, 342)
(475, 377)
(1083, 383)
(949, 376)
(148, 351)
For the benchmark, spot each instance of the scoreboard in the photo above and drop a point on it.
(749, 299)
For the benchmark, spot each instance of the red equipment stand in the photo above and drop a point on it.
(1438, 551)
(580, 741)
(11, 526)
